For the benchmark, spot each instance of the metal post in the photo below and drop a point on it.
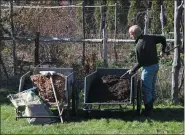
(36, 55)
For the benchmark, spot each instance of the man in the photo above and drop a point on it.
(147, 58)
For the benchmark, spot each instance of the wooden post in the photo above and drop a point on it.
(13, 36)
(115, 31)
(146, 21)
(83, 50)
(162, 19)
(36, 55)
(105, 60)
(105, 47)
(0, 44)
(100, 31)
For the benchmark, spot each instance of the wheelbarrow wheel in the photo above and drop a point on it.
(139, 89)
(87, 112)
(74, 101)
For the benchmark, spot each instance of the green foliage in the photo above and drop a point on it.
(97, 17)
(155, 25)
(115, 65)
(166, 61)
(110, 17)
(100, 63)
(169, 12)
(122, 13)
(132, 13)
(131, 58)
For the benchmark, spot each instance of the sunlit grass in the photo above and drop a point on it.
(168, 119)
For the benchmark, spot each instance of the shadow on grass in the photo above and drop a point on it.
(163, 115)
(160, 114)
(3, 96)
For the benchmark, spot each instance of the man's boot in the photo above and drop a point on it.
(148, 112)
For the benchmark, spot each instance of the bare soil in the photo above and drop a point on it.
(45, 88)
(109, 89)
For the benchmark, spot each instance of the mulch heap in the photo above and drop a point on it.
(109, 89)
(45, 88)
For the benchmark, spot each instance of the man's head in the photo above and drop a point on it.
(135, 31)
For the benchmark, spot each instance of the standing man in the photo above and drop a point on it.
(147, 58)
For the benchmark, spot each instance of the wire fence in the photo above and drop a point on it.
(65, 22)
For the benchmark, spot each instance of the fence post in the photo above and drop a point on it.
(146, 21)
(13, 41)
(36, 55)
(83, 50)
(162, 19)
(104, 39)
(115, 31)
(100, 30)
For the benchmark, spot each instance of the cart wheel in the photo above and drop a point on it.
(88, 112)
(139, 97)
(74, 101)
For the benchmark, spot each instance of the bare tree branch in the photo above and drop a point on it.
(182, 78)
(181, 6)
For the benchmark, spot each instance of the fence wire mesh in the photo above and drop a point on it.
(67, 22)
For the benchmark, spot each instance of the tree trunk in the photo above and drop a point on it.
(1, 61)
(176, 61)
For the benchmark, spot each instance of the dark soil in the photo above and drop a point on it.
(109, 89)
(45, 88)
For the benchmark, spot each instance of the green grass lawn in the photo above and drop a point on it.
(168, 119)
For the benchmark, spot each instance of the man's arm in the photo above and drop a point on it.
(162, 40)
(136, 67)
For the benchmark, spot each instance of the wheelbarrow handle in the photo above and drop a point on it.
(124, 74)
(171, 49)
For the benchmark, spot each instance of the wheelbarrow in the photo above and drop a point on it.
(134, 97)
(70, 101)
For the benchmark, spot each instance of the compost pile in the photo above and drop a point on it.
(45, 87)
(109, 89)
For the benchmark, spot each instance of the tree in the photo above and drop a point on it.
(110, 17)
(176, 61)
(155, 26)
(122, 15)
(169, 13)
(132, 13)
(89, 17)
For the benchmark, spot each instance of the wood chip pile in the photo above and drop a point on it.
(45, 87)
(109, 89)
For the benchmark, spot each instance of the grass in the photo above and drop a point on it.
(168, 119)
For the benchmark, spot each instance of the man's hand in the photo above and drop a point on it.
(161, 54)
(130, 71)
